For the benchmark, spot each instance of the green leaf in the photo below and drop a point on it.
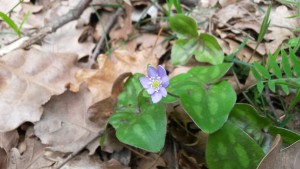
(271, 85)
(245, 117)
(255, 73)
(209, 50)
(210, 74)
(184, 25)
(288, 136)
(274, 66)
(139, 122)
(262, 70)
(296, 63)
(231, 148)
(10, 23)
(260, 87)
(209, 105)
(183, 50)
(293, 42)
(286, 65)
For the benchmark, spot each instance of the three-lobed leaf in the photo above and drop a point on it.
(207, 102)
(183, 50)
(139, 122)
(209, 50)
(184, 25)
(231, 148)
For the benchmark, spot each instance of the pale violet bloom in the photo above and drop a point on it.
(156, 82)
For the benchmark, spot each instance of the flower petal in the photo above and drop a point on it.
(152, 72)
(165, 81)
(156, 97)
(163, 92)
(161, 71)
(150, 90)
(145, 82)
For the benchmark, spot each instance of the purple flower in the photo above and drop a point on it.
(156, 82)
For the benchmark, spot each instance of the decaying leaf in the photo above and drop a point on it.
(27, 80)
(32, 157)
(65, 40)
(84, 160)
(65, 126)
(288, 158)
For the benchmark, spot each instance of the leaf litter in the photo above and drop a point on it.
(59, 105)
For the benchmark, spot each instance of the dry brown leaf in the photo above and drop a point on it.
(113, 164)
(84, 161)
(288, 158)
(32, 157)
(65, 40)
(64, 125)
(27, 81)
(129, 59)
(126, 27)
(224, 3)
(153, 161)
(230, 12)
(9, 140)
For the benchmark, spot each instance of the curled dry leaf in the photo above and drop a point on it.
(279, 159)
(27, 81)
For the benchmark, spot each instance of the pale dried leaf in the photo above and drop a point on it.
(224, 3)
(129, 59)
(27, 81)
(83, 160)
(6, 5)
(9, 140)
(288, 158)
(65, 126)
(126, 28)
(32, 157)
(65, 40)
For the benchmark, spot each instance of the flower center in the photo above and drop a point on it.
(155, 83)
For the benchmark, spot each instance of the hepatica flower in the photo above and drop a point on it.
(156, 82)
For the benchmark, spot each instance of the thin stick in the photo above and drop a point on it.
(106, 30)
(71, 156)
(57, 23)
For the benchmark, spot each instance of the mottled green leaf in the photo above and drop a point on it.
(209, 50)
(210, 74)
(139, 122)
(209, 105)
(184, 25)
(247, 119)
(231, 148)
(183, 50)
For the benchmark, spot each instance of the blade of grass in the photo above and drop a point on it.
(10, 23)
(263, 29)
(24, 19)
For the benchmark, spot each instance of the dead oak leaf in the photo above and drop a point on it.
(32, 157)
(279, 159)
(65, 40)
(65, 126)
(27, 81)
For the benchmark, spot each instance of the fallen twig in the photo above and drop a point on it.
(106, 30)
(57, 23)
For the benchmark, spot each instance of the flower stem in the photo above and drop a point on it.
(174, 95)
